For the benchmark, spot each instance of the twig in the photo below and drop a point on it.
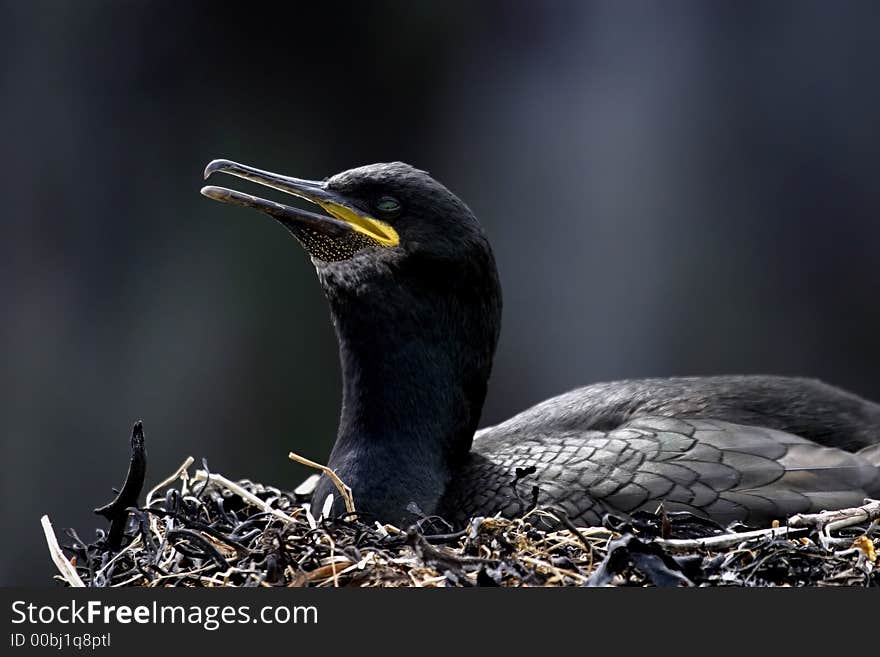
(128, 548)
(570, 526)
(344, 490)
(728, 540)
(177, 473)
(201, 475)
(558, 572)
(68, 572)
(828, 521)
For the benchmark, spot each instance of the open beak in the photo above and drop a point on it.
(344, 215)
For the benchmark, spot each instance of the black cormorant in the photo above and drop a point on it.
(416, 303)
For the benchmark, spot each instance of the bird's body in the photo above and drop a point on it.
(416, 304)
(747, 448)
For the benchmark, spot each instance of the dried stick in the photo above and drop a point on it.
(68, 572)
(201, 475)
(177, 473)
(344, 490)
(128, 548)
(828, 521)
(728, 540)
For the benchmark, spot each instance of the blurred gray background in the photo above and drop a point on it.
(671, 188)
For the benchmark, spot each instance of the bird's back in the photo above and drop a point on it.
(748, 448)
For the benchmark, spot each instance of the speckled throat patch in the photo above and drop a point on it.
(333, 249)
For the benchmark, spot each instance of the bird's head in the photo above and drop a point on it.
(381, 220)
(406, 266)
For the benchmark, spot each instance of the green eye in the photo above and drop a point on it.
(387, 205)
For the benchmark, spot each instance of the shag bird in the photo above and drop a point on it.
(415, 300)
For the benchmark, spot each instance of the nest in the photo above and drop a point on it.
(203, 530)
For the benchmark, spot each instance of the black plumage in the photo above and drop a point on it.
(416, 303)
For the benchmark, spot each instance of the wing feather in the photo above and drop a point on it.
(718, 469)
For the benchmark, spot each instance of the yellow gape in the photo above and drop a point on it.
(377, 230)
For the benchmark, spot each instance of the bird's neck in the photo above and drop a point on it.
(414, 382)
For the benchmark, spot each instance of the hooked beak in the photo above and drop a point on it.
(344, 215)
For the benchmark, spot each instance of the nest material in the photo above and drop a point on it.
(206, 531)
